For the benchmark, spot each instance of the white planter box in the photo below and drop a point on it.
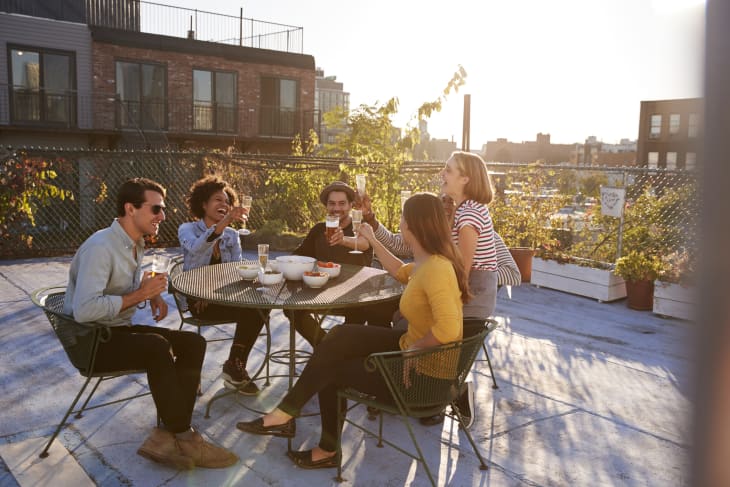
(593, 283)
(674, 300)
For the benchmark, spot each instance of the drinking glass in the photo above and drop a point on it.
(263, 256)
(160, 264)
(356, 221)
(360, 183)
(332, 223)
(245, 203)
(404, 195)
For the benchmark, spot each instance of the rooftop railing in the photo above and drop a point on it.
(157, 18)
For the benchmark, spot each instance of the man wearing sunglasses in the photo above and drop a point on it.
(105, 286)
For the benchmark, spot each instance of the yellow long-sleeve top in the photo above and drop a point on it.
(431, 302)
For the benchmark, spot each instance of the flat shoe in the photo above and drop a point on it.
(286, 430)
(303, 459)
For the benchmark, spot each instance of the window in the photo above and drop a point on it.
(214, 101)
(655, 129)
(142, 95)
(279, 106)
(690, 161)
(693, 126)
(671, 160)
(653, 160)
(674, 121)
(43, 86)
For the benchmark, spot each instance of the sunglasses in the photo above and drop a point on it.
(156, 209)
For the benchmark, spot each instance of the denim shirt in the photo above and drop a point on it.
(102, 271)
(197, 250)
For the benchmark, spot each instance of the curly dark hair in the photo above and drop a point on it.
(203, 189)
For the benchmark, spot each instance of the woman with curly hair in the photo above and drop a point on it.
(209, 240)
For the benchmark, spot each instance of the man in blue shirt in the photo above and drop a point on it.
(105, 285)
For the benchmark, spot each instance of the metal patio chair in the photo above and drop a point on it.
(425, 397)
(471, 324)
(81, 352)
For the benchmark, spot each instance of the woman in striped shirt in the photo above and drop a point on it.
(465, 179)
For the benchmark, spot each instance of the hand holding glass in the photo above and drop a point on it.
(356, 221)
(246, 204)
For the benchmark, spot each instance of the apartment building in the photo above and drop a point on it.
(669, 133)
(93, 73)
(329, 94)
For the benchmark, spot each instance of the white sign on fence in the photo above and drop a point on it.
(612, 201)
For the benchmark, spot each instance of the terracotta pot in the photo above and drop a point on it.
(640, 295)
(523, 259)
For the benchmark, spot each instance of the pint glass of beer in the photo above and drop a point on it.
(332, 224)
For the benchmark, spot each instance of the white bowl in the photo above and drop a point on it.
(315, 279)
(273, 265)
(333, 271)
(248, 271)
(293, 266)
(270, 277)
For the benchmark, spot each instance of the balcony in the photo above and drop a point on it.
(107, 113)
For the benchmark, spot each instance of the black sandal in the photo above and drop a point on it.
(303, 459)
(286, 430)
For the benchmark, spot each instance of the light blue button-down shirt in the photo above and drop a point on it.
(197, 250)
(102, 271)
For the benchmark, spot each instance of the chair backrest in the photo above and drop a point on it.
(436, 374)
(180, 301)
(77, 339)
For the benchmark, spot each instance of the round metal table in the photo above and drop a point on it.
(355, 286)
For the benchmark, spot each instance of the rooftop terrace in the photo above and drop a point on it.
(589, 394)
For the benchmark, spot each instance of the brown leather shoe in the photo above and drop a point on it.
(162, 447)
(205, 454)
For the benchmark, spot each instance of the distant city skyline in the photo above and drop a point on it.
(570, 68)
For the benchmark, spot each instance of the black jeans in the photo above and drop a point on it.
(172, 359)
(249, 323)
(338, 361)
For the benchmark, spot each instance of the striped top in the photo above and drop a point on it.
(476, 215)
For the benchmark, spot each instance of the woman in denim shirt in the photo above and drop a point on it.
(209, 240)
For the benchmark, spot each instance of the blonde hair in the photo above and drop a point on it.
(479, 187)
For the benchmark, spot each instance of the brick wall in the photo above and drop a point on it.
(180, 87)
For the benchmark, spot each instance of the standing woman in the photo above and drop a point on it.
(209, 240)
(466, 180)
(432, 301)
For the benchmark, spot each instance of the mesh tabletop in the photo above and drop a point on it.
(221, 283)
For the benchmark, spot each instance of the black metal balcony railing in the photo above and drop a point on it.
(157, 18)
(106, 112)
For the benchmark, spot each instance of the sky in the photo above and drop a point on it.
(570, 68)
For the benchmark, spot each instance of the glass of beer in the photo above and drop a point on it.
(245, 203)
(332, 223)
(356, 221)
(160, 264)
(360, 183)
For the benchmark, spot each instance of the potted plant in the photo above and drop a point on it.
(521, 213)
(639, 270)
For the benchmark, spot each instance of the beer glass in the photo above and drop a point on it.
(356, 221)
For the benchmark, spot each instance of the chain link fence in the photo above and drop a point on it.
(52, 200)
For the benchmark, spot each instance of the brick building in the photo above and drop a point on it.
(502, 150)
(82, 73)
(669, 133)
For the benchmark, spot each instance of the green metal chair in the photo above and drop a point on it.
(81, 352)
(470, 324)
(186, 317)
(425, 397)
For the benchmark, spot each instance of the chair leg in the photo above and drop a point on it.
(491, 371)
(340, 423)
(482, 464)
(88, 398)
(44, 453)
(422, 459)
(380, 430)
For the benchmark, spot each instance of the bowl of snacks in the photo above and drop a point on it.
(330, 268)
(248, 271)
(293, 266)
(269, 278)
(315, 279)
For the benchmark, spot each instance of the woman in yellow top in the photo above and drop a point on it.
(436, 288)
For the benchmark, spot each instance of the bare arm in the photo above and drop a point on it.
(390, 262)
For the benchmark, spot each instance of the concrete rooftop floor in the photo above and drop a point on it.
(589, 394)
